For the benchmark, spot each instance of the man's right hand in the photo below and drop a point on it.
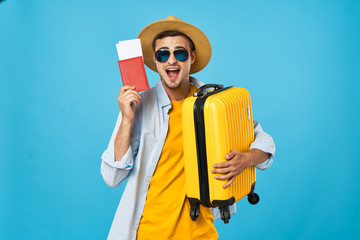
(126, 99)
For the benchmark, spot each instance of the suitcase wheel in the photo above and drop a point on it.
(194, 212)
(253, 198)
(225, 215)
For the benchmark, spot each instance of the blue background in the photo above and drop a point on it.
(59, 82)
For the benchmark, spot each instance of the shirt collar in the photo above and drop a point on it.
(161, 94)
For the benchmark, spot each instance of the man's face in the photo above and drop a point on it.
(173, 72)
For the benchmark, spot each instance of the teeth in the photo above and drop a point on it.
(171, 69)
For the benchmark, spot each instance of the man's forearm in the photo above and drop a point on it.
(257, 156)
(122, 140)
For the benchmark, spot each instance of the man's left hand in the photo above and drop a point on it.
(236, 163)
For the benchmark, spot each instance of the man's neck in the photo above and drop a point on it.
(178, 94)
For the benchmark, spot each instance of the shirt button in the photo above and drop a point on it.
(148, 179)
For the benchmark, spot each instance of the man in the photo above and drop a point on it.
(146, 145)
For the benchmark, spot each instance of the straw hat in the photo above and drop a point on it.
(201, 42)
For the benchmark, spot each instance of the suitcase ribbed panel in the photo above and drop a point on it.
(224, 113)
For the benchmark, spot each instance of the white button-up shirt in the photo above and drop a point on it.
(148, 134)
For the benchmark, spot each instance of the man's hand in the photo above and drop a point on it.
(236, 163)
(126, 97)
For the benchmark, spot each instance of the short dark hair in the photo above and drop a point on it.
(173, 33)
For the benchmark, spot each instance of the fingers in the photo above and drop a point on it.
(129, 97)
(229, 175)
(231, 180)
(224, 177)
(231, 154)
(222, 165)
(229, 169)
(128, 94)
(125, 88)
(228, 157)
(221, 170)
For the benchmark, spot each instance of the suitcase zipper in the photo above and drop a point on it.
(201, 151)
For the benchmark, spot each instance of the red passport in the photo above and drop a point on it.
(131, 64)
(133, 73)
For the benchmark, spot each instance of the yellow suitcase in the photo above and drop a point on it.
(216, 120)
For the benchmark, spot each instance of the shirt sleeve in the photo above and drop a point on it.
(115, 172)
(265, 143)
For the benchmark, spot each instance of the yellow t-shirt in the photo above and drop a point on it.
(166, 213)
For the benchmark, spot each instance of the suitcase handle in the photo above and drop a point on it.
(203, 90)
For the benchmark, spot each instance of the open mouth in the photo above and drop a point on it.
(172, 73)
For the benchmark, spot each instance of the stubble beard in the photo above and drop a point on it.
(181, 82)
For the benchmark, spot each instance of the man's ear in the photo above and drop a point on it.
(193, 57)
(153, 57)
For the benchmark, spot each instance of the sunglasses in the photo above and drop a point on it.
(163, 55)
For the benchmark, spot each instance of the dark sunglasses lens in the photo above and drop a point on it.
(181, 55)
(162, 55)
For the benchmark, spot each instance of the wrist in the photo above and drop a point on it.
(257, 156)
(126, 122)
(249, 156)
